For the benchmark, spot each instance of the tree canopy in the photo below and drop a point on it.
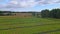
(54, 13)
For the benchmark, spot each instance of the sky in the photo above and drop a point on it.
(28, 5)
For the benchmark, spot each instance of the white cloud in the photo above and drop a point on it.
(22, 3)
(13, 2)
(48, 1)
(28, 3)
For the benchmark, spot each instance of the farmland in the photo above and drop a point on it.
(31, 25)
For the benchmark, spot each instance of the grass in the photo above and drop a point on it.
(17, 25)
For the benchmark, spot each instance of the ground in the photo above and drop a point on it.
(33, 25)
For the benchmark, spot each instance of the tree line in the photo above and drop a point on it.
(54, 13)
(5, 13)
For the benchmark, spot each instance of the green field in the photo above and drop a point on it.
(17, 25)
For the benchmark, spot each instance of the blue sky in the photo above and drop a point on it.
(28, 5)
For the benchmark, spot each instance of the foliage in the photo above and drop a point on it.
(45, 13)
(54, 13)
(5, 13)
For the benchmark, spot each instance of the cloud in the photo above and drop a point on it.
(27, 3)
(48, 1)
(21, 3)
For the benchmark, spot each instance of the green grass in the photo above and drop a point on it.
(17, 25)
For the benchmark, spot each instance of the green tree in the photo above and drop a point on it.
(45, 13)
(55, 13)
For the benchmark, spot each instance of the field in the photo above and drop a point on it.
(17, 25)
